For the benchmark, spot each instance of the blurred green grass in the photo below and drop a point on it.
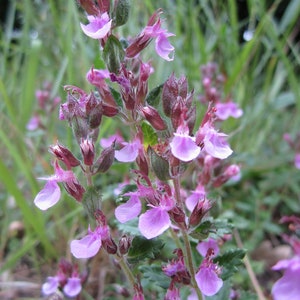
(262, 77)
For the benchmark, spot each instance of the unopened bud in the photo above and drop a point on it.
(65, 155)
(124, 244)
(109, 111)
(89, 6)
(178, 215)
(154, 118)
(122, 8)
(109, 245)
(230, 172)
(142, 162)
(201, 208)
(88, 151)
(94, 112)
(159, 165)
(169, 94)
(80, 129)
(75, 189)
(106, 159)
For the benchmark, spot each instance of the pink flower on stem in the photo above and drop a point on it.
(50, 194)
(156, 220)
(129, 210)
(197, 195)
(90, 244)
(98, 27)
(214, 142)
(153, 30)
(51, 285)
(73, 286)
(288, 286)
(183, 146)
(228, 109)
(204, 246)
(207, 276)
(129, 152)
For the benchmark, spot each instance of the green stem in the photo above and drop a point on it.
(188, 250)
(124, 266)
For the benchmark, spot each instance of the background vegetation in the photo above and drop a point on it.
(261, 76)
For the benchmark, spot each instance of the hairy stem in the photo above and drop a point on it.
(188, 250)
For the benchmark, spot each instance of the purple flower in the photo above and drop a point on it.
(89, 245)
(129, 210)
(297, 160)
(203, 247)
(156, 220)
(196, 196)
(50, 286)
(214, 142)
(183, 146)
(33, 123)
(98, 27)
(50, 194)
(208, 281)
(129, 152)
(72, 287)
(288, 286)
(228, 109)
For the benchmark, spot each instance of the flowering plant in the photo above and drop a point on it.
(162, 221)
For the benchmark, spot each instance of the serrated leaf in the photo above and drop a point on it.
(130, 227)
(201, 232)
(153, 274)
(142, 248)
(154, 96)
(230, 261)
(150, 136)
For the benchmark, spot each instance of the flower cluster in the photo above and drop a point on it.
(175, 159)
(66, 279)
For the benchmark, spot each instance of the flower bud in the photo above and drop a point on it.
(75, 189)
(178, 215)
(109, 245)
(169, 94)
(124, 244)
(154, 118)
(106, 159)
(201, 208)
(122, 8)
(65, 155)
(88, 151)
(93, 109)
(89, 6)
(159, 165)
(80, 129)
(109, 111)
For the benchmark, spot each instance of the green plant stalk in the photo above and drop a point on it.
(188, 251)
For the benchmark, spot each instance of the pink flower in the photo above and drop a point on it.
(156, 220)
(183, 146)
(153, 31)
(72, 287)
(203, 247)
(50, 194)
(228, 109)
(129, 152)
(208, 281)
(196, 196)
(33, 123)
(288, 286)
(89, 245)
(129, 210)
(297, 160)
(50, 286)
(214, 142)
(98, 27)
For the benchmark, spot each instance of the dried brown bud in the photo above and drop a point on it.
(124, 244)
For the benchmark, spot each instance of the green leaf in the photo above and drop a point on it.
(153, 274)
(117, 96)
(113, 54)
(153, 96)
(142, 248)
(201, 232)
(122, 12)
(150, 136)
(230, 261)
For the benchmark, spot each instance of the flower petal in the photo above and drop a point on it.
(216, 145)
(163, 47)
(87, 246)
(72, 287)
(129, 210)
(184, 147)
(208, 281)
(50, 286)
(129, 153)
(48, 196)
(154, 222)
